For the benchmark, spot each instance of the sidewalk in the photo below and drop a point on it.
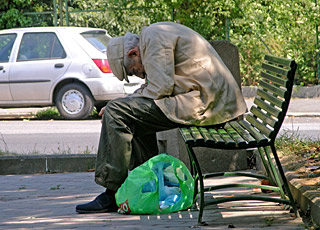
(47, 201)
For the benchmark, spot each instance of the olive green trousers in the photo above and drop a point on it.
(128, 138)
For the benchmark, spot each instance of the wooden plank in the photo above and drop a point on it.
(273, 78)
(244, 133)
(206, 135)
(272, 88)
(261, 139)
(235, 135)
(257, 124)
(268, 108)
(216, 136)
(226, 137)
(274, 100)
(275, 69)
(196, 134)
(264, 117)
(278, 60)
(186, 135)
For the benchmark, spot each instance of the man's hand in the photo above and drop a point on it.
(101, 111)
(139, 91)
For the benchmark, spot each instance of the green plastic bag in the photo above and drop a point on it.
(162, 184)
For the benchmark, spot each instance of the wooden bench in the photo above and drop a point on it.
(258, 130)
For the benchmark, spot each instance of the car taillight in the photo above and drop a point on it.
(103, 65)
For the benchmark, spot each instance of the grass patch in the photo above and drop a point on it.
(48, 114)
(4, 151)
(94, 114)
(301, 155)
(56, 187)
(52, 113)
(288, 144)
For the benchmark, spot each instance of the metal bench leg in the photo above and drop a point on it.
(265, 164)
(199, 181)
(195, 177)
(284, 180)
(274, 171)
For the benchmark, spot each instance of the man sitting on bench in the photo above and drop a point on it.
(187, 83)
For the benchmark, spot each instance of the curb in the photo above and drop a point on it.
(305, 114)
(11, 165)
(307, 197)
(16, 117)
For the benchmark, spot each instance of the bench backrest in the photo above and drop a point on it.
(273, 95)
(229, 54)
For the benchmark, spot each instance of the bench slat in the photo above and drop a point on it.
(206, 135)
(278, 60)
(196, 134)
(264, 117)
(226, 137)
(268, 108)
(243, 132)
(274, 89)
(186, 135)
(257, 124)
(275, 79)
(261, 139)
(275, 69)
(274, 100)
(235, 135)
(215, 135)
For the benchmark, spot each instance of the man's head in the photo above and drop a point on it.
(124, 56)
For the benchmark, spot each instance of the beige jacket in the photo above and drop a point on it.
(186, 77)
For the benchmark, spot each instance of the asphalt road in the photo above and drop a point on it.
(71, 137)
(302, 127)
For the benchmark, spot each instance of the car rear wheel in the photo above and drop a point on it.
(74, 101)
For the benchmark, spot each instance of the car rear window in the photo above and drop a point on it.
(99, 39)
(6, 43)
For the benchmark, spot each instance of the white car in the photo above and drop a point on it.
(62, 66)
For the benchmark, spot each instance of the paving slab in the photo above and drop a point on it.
(47, 201)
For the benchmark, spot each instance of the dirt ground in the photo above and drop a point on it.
(306, 165)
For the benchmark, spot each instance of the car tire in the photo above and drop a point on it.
(74, 101)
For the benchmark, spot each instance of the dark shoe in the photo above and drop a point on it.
(102, 203)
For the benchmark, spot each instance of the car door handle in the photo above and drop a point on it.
(59, 65)
(1, 67)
